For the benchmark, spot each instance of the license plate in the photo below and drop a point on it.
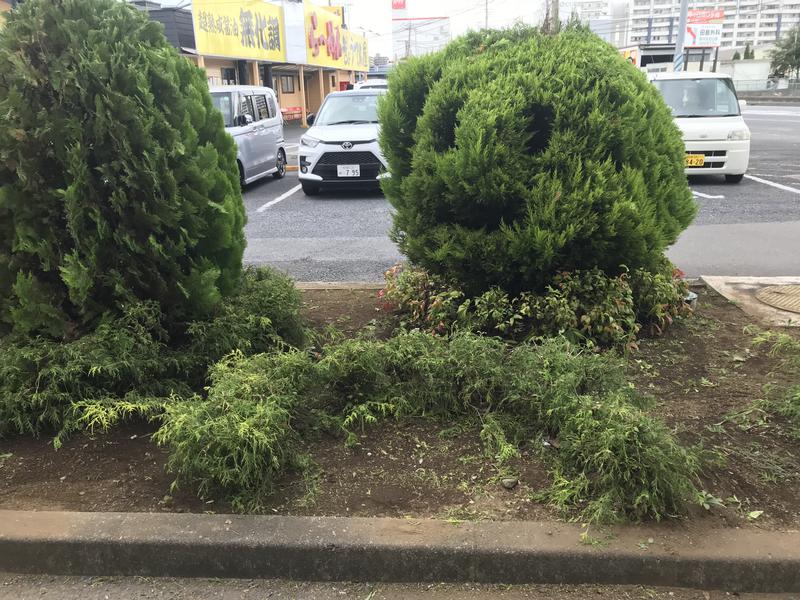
(695, 160)
(348, 170)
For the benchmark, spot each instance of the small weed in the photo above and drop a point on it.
(709, 501)
(587, 539)
(4, 456)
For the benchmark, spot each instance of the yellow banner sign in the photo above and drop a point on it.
(245, 29)
(328, 44)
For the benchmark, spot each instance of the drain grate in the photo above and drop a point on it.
(785, 297)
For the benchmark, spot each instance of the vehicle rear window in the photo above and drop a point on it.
(223, 103)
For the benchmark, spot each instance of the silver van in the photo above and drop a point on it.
(252, 116)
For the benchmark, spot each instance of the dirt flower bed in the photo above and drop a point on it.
(706, 373)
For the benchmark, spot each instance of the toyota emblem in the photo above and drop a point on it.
(347, 145)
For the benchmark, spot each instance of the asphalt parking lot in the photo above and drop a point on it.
(750, 228)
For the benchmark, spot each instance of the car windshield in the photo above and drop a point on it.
(348, 109)
(706, 97)
(223, 103)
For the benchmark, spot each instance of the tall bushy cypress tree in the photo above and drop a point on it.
(517, 155)
(118, 182)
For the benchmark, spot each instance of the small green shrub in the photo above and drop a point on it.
(515, 156)
(784, 398)
(584, 306)
(658, 296)
(132, 365)
(239, 438)
(126, 359)
(614, 461)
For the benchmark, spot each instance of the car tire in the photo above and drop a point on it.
(734, 178)
(310, 189)
(242, 184)
(280, 164)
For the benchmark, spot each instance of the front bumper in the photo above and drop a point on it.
(721, 157)
(319, 164)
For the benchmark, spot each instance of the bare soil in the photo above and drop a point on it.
(705, 373)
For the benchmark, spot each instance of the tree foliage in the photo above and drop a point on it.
(118, 183)
(515, 155)
(786, 55)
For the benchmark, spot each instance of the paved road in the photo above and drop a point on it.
(752, 228)
(20, 587)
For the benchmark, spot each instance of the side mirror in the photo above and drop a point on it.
(742, 104)
(310, 118)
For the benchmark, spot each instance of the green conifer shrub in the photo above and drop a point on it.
(118, 183)
(516, 156)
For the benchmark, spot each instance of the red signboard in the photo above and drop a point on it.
(709, 15)
(398, 4)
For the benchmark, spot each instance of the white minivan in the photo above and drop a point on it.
(708, 112)
(252, 116)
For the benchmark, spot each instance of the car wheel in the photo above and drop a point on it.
(310, 189)
(280, 164)
(241, 175)
(734, 178)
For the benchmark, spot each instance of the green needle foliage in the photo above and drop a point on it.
(517, 155)
(118, 183)
(133, 365)
(614, 461)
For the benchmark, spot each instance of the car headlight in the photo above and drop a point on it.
(739, 134)
(309, 141)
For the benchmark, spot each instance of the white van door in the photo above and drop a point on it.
(275, 126)
(267, 144)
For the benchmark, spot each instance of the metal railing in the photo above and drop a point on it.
(784, 86)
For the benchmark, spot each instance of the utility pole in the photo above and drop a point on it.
(677, 59)
(486, 14)
(556, 17)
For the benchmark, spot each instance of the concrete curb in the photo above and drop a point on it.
(338, 285)
(393, 550)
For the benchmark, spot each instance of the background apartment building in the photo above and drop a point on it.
(754, 22)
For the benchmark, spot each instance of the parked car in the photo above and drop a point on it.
(252, 116)
(372, 84)
(341, 147)
(708, 112)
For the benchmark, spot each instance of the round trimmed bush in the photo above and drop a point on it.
(517, 155)
(118, 183)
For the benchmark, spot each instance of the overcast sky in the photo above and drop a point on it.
(373, 18)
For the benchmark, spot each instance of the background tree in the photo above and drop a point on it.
(518, 155)
(737, 56)
(118, 183)
(749, 53)
(786, 55)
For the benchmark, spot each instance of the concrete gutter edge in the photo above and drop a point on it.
(393, 550)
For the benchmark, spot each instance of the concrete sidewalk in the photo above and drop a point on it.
(394, 550)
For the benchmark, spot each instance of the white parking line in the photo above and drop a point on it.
(780, 186)
(264, 207)
(709, 196)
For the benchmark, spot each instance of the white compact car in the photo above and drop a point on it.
(341, 148)
(372, 84)
(708, 113)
